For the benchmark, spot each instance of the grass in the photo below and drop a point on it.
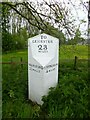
(68, 100)
(15, 56)
(70, 51)
(66, 52)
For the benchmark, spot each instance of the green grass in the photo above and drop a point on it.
(68, 100)
(66, 52)
(70, 51)
(15, 56)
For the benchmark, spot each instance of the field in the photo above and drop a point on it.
(70, 98)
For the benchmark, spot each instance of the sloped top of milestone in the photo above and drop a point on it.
(43, 36)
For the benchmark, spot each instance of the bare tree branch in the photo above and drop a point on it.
(38, 19)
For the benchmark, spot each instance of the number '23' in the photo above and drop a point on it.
(42, 47)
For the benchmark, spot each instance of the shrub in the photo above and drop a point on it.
(68, 100)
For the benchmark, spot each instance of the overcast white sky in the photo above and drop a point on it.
(79, 12)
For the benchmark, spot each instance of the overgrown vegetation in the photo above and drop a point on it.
(70, 99)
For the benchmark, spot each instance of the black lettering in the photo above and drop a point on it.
(40, 47)
(45, 47)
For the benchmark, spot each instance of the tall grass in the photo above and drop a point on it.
(68, 100)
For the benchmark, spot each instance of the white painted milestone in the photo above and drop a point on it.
(42, 65)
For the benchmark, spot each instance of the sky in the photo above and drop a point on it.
(79, 13)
